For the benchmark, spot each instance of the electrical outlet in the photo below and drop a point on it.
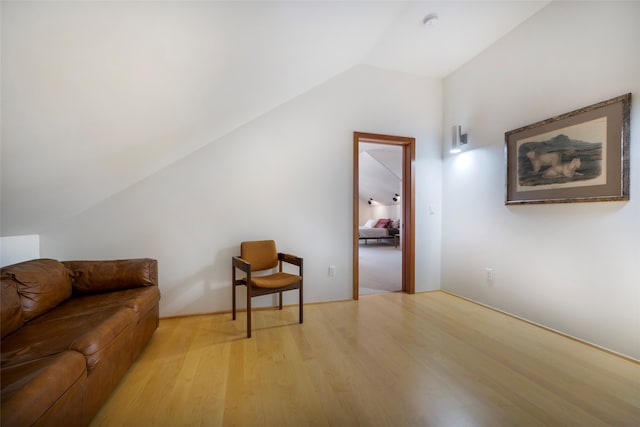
(332, 270)
(488, 271)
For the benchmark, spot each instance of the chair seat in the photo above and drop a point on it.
(275, 280)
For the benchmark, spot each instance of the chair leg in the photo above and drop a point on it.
(233, 292)
(233, 297)
(280, 300)
(248, 311)
(300, 302)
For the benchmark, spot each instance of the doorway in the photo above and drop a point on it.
(407, 223)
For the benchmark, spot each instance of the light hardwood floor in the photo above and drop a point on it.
(429, 359)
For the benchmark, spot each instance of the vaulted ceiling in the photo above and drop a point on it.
(99, 95)
(380, 172)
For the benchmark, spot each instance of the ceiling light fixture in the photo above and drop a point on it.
(430, 20)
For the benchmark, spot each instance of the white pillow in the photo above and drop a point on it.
(370, 223)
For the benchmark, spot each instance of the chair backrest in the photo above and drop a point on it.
(262, 254)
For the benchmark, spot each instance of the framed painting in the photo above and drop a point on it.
(581, 156)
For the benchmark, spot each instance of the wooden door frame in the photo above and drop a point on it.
(407, 229)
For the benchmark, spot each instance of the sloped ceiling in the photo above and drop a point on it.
(380, 172)
(99, 95)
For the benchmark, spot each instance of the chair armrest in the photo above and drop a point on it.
(241, 264)
(291, 259)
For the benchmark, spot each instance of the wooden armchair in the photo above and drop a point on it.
(259, 256)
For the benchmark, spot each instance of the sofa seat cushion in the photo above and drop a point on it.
(89, 334)
(140, 300)
(31, 388)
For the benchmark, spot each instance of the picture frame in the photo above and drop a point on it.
(580, 156)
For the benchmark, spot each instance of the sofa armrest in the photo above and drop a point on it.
(90, 277)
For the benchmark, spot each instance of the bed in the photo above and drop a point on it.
(384, 228)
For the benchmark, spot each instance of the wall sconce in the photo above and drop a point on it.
(370, 200)
(459, 139)
(396, 197)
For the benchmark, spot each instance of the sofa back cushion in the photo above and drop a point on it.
(114, 275)
(41, 283)
(12, 317)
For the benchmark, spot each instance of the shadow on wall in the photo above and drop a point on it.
(208, 290)
(202, 291)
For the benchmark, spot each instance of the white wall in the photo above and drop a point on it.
(16, 249)
(572, 267)
(286, 175)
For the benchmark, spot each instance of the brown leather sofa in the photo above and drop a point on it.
(70, 331)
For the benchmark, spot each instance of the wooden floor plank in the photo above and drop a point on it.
(429, 359)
